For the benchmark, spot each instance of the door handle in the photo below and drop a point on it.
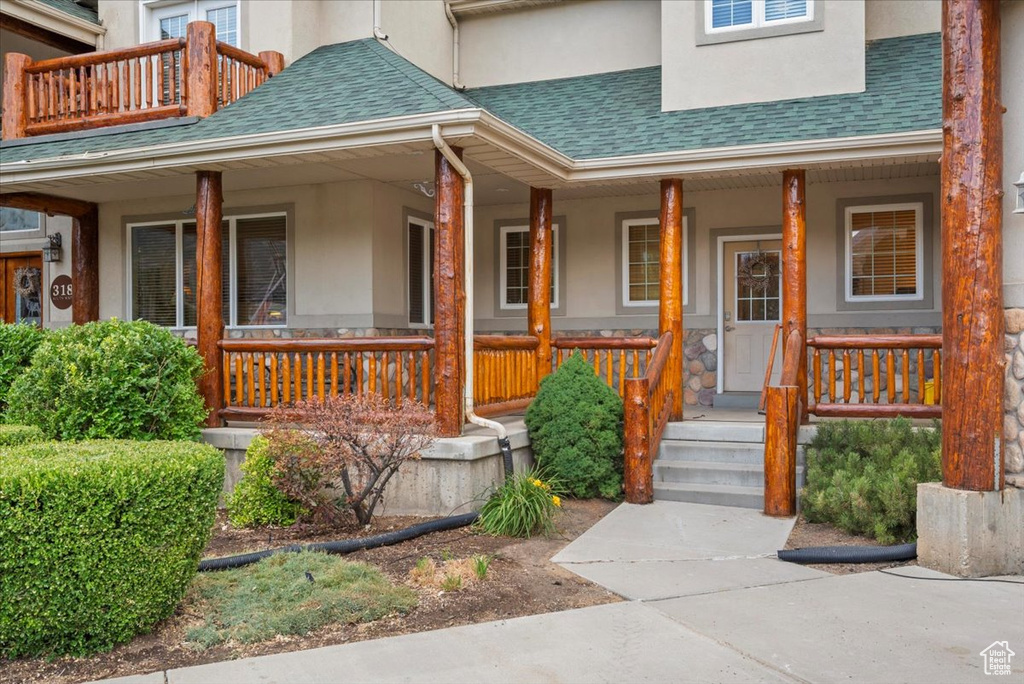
(729, 328)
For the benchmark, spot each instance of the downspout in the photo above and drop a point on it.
(460, 168)
(456, 83)
(377, 32)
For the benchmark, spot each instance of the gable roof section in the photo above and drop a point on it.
(619, 114)
(74, 9)
(587, 117)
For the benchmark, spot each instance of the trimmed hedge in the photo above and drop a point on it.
(99, 540)
(13, 435)
(256, 501)
(110, 380)
(18, 341)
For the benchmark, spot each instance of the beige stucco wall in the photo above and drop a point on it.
(389, 252)
(420, 31)
(889, 18)
(1013, 150)
(12, 42)
(121, 19)
(559, 40)
(801, 65)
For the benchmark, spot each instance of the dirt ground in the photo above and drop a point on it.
(520, 581)
(807, 534)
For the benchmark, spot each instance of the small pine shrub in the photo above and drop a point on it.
(13, 435)
(18, 341)
(575, 426)
(521, 507)
(256, 501)
(862, 476)
(110, 380)
(99, 540)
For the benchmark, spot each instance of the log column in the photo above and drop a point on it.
(794, 273)
(15, 114)
(449, 297)
(201, 74)
(670, 307)
(85, 266)
(541, 249)
(972, 188)
(210, 315)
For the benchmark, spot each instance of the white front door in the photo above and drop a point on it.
(751, 308)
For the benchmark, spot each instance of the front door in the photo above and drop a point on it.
(751, 308)
(21, 279)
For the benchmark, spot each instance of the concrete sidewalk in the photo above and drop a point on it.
(709, 603)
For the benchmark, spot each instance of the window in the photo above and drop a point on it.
(514, 267)
(420, 236)
(731, 15)
(162, 271)
(758, 301)
(19, 221)
(163, 19)
(641, 261)
(883, 252)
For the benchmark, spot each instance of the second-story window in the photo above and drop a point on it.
(730, 15)
(168, 19)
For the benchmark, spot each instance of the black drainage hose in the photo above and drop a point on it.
(344, 545)
(850, 554)
(506, 455)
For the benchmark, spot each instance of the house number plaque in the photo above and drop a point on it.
(60, 292)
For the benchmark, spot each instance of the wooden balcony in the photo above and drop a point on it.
(191, 76)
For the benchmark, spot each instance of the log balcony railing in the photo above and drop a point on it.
(190, 76)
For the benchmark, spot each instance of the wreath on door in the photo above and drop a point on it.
(27, 282)
(758, 271)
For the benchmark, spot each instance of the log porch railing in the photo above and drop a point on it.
(504, 373)
(615, 359)
(869, 376)
(193, 75)
(648, 402)
(783, 408)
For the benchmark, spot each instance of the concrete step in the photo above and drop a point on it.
(715, 431)
(737, 400)
(720, 452)
(719, 495)
(710, 472)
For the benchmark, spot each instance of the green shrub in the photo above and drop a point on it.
(256, 501)
(99, 540)
(575, 427)
(12, 435)
(110, 380)
(18, 341)
(522, 506)
(862, 476)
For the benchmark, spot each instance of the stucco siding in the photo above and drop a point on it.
(890, 18)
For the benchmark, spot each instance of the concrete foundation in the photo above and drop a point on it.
(970, 534)
(453, 476)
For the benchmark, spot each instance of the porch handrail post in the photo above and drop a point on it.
(972, 289)
(209, 310)
(201, 68)
(273, 60)
(670, 303)
(539, 307)
(85, 266)
(15, 116)
(449, 297)
(794, 273)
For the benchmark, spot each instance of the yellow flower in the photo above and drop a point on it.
(537, 483)
(557, 501)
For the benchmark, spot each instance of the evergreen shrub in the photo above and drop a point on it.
(256, 501)
(862, 476)
(99, 540)
(110, 380)
(18, 341)
(575, 427)
(13, 435)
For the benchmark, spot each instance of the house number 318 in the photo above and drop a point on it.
(60, 292)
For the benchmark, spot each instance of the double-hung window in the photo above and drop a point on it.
(514, 267)
(420, 276)
(254, 287)
(731, 15)
(884, 252)
(163, 19)
(641, 261)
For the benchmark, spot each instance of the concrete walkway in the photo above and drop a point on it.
(708, 602)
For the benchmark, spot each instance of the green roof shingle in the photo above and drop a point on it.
(74, 9)
(601, 115)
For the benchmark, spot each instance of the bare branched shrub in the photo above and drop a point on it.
(353, 443)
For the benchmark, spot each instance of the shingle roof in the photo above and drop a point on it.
(74, 9)
(618, 114)
(602, 115)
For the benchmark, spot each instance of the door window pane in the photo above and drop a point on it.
(758, 285)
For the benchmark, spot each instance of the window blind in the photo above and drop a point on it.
(261, 280)
(883, 247)
(776, 10)
(188, 280)
(154, 280)
(643, 255)
(725, 13)
(225, 20)
(416, 273)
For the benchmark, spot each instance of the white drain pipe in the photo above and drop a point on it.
(467, 178)
(378, 33)
(456, 83)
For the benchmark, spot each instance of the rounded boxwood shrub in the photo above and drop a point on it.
(111, 380)
(99, 540)
(18, 341)
(12, 435)
(575, 426)
(256, 501)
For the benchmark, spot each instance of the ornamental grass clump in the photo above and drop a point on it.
(862, 476)
(523, 506)
(575, 426)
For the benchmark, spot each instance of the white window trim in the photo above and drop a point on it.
(757, 16)
(179, 262)
(624, 264)
(151, 11)
(428, 303)
(503, 267)
(918, 208)
(23, 233)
